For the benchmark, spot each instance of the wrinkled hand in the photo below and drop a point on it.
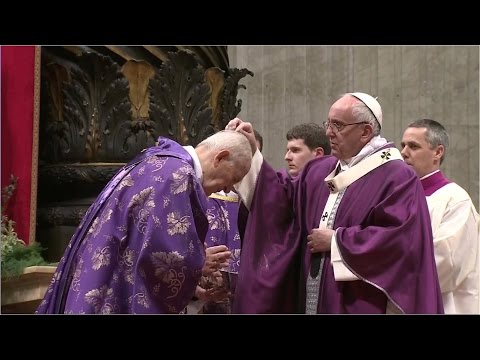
(319, 240)
(246, 129)
(233, 124)
(214, 280)
(208, 295)
(211, 288)
(216, 258)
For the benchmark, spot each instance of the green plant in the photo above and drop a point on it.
(15, 254)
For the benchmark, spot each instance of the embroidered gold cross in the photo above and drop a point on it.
(386, 155)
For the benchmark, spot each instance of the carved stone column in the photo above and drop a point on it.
(99, 110)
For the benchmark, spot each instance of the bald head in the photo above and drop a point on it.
(225, 158)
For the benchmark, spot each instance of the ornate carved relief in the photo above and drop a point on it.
(97, 113)
(179, 99)
(230, 106)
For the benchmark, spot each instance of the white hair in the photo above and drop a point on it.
(233, 141)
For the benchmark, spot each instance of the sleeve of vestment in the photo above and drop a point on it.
(455, 236)
(246, 186)
(172, 254)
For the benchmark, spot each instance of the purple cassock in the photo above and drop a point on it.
(222, 215)
(140, 247)
(383, 234)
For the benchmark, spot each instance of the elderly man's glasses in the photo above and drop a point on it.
(338, 126)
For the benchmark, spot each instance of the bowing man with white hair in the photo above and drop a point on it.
(351, 234)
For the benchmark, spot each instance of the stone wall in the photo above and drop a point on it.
(296, 84)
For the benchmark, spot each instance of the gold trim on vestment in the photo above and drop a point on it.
(224, 197)
(35, 139)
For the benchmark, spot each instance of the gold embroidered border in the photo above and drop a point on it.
(35, 139)
(225, 198)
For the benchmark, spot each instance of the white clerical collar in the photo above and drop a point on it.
(375, 143)
(196, 162)
(428, 175)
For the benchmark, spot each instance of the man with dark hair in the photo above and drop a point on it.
(455, 221)
(351, 234)
(305, 142)
(259, 139)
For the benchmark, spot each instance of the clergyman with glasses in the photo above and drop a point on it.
(351, 234)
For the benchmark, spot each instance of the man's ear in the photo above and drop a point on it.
(367, 132)
(319, 151)
(439, 151)
(222, 155)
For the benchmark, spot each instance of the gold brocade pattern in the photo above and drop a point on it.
(169, 269)
(141, 252)
(127, 261)
(141, 299)
(177, 224)
(76, 276)
(99, 299)
(181, 179)
(220, 222)
(141, 206)
(127, 181)
(166, 201)
(101, 257)
(99, 221)
(157, 162)
(226, 218)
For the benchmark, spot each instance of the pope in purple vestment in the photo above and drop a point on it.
(381, 228)
(383, 232)
(140, 247)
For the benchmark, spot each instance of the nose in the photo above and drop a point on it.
(404, 152)
(329, 131)
(287, 156)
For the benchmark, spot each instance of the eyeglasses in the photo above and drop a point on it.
(337, 126)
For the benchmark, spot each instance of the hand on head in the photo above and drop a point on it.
(246, 129)
(232, 124)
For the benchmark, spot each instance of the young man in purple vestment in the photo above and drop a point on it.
(140, 247)
(304, 143)
(351, 234)
(455, 221)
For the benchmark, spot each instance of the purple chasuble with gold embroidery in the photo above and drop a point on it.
(222, 215)
(140, 247)
(383, 234)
